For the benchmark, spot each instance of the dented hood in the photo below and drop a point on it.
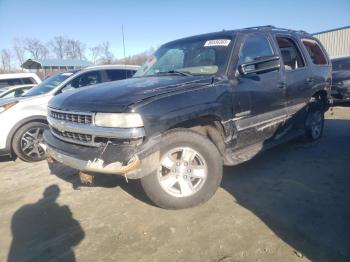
(117, 96)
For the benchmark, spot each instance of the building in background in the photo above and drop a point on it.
(336, 41)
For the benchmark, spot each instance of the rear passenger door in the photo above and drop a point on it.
(319, 65)
(297, 75)
(267, 98)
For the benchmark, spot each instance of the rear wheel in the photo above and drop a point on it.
(314, 122)
(28, 143)
(189, 171)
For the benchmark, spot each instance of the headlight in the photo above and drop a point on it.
(121, 120)
(7, 106)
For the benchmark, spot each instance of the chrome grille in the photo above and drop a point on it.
(71, 117)
(74, 137)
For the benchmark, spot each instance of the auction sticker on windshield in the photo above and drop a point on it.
(218, 42)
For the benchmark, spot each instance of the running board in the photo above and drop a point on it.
(247, 153)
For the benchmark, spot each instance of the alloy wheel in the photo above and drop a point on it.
(32, 143)
(182, 172)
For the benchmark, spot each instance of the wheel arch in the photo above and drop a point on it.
(21, 123)
(209, 126)
(322, 97)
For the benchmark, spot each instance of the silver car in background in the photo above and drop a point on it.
(23, 119)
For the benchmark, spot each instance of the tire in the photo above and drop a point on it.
(189, 171)
(28, 143)
(314, 122)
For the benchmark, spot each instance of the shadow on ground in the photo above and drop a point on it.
(7, 158)
(44, 231)
(301, 191)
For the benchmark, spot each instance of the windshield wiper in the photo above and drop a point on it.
(175, 72)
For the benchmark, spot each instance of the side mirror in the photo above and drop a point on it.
(260, 65)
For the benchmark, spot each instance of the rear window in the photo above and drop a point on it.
(315, 52)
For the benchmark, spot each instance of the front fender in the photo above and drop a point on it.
(167, 111)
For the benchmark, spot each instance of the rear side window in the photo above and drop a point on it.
(117, 74)
(315, 52)
(291, 55)
(254, 47)
(86, 79)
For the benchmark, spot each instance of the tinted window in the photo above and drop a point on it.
(28, 81)
(341, 64)
(86, 79)
(131, 72)
(291, 55)
(117, 74)
(10, 82)
(254, 47)
(315, 52)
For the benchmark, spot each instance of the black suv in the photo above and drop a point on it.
(340, 90)
(198, 103)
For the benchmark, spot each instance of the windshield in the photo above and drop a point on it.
(189, 57)
(48, 84)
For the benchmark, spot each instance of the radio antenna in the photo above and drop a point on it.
(123, 42)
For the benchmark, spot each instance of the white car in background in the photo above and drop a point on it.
(14, 91)
(18, 79)
(23, 119)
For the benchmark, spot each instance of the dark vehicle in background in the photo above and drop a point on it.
(340, 90)
(198, 103)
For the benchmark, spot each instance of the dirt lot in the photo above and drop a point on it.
(289, 204)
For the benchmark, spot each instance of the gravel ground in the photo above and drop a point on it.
(290, 203)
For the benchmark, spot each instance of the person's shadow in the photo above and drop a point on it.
(44, 231)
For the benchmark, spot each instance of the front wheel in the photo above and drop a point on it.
(28, 143)
(189, 171)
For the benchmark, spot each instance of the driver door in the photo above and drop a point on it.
(262, 95)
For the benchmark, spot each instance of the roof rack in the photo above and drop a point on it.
(271, 27)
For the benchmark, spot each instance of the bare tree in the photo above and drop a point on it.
(75, 49)
(137, 59)
(6, 59)
(106, 53)
(18, 46)
(95, 53)
(36, 48)
(58, 46)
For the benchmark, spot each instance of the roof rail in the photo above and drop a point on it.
(261, 27)
(271, 27)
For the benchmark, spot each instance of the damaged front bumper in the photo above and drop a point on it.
(132, 161)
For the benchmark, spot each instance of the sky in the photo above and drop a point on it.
(150, 23)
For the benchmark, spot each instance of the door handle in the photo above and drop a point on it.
(309, 81)
(281, 85)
